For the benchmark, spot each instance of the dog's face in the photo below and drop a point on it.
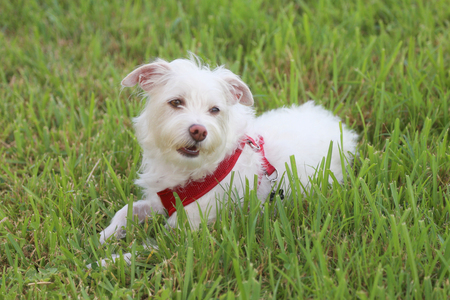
(189, 115)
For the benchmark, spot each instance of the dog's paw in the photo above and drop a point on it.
(105, 262)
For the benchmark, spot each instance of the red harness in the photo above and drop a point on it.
(196, 189)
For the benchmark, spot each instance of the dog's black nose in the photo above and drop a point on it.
(198, 132)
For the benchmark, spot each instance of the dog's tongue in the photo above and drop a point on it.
(189, 151)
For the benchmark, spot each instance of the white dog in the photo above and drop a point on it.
(198, 126)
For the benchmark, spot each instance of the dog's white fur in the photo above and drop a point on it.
(304, 131)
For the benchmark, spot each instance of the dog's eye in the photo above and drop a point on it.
(214, 110)
(176, 102)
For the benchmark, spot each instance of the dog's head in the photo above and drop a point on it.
(193, 115)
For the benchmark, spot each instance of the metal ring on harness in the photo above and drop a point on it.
(253, 145)
(275, 179)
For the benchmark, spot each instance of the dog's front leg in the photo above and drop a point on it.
(141, 209)
(205, 206)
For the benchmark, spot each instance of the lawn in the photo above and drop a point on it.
(69, 157)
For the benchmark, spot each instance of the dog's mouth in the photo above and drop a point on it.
(189, 151)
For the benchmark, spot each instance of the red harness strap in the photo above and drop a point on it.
(258, 147)
(196, 189)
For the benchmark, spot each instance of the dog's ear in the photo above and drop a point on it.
(147, 75)
(240, 91)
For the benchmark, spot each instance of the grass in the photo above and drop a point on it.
(68, 154)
